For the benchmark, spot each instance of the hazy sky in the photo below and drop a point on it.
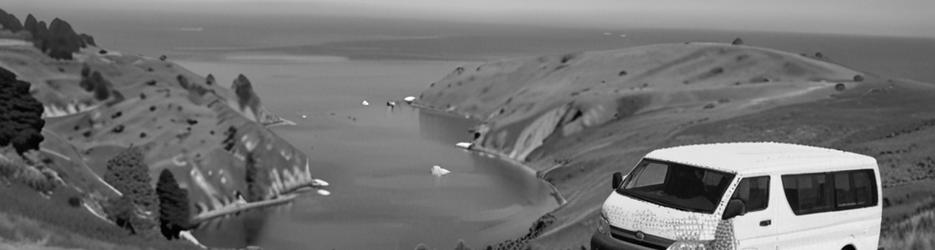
(875, 17)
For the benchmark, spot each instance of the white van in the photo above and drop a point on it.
(744, 196)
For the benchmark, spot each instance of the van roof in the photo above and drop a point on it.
(748, 158)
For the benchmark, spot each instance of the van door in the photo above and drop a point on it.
(754, 229)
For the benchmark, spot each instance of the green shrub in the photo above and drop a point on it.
(74, 201)
(8, 168)
(20, 114)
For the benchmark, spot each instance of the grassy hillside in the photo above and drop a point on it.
(579, 117)
(98, 103)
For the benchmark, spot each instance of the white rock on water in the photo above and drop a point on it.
(409, 99)
(439, 171)
(365, 103)
(464, 145)
(319, 183)
(324, 192)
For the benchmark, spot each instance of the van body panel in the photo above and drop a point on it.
(640, 216)
(859, 227)
(753, 234)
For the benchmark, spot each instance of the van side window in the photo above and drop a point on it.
(754, 192)
(854, 189)
(822, 192)
(808, 193)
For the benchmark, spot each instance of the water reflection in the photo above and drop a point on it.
(444, 128)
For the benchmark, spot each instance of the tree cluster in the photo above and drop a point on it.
(20, 114)
(94, 81)
(57, 39)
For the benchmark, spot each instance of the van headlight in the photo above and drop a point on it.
(688, 245)
(603, 224)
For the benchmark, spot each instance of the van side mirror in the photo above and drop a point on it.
(616, 180)
(735, 207)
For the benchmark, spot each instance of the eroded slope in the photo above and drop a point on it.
(578, 117)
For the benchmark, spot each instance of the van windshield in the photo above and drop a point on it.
(677, 186)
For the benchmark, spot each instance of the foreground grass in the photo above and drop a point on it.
(29, 220)
(912, 232)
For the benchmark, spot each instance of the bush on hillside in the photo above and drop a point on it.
(74, 201)
(858, 78)
(129, 174)
(20, 114)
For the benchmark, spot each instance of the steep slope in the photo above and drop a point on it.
(578, 117)
(102, 102)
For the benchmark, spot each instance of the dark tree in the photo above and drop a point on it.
(87, 39)
(20, 114)
(255, 179)
(129, 174)
(737, 41)
(30, 24)
(174, 212)
(244, 90)
(85, 71)
(96, 83)
(10, 22)
(40, 37)
(209, 80)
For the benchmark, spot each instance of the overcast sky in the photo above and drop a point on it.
(873, 17)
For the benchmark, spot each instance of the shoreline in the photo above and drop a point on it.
(280, 122)
(559, 197)
(239, 207)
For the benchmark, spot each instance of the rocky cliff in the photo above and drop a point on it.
(578, 117)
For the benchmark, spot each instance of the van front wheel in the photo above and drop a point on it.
(849, 247)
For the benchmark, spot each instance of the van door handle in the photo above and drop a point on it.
(764, 223)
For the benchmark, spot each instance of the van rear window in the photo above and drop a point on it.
(822, 192)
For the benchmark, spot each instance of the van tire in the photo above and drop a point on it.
(849, 247)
